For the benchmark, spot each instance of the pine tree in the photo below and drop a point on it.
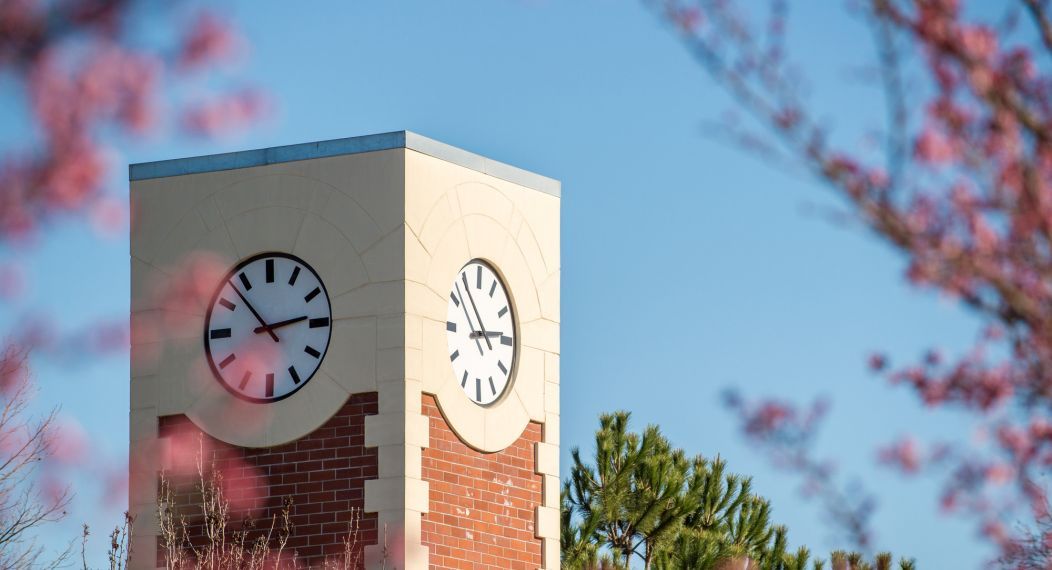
(633, 497)
(579, 549)
(642, 498)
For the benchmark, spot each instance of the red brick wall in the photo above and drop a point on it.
(324, 473)
(482, 504)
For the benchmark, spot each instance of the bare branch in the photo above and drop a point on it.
(1038, 10)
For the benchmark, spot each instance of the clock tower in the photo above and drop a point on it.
(364, 331)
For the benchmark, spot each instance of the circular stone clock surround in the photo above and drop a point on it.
(460, 227)
(247, 215)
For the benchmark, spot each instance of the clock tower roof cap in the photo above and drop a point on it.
(338, 147)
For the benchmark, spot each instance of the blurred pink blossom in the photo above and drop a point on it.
(12, 281)
(965, 197)
(904, 454)
(934, 148)
(226, 113)
(87, 84)
(209, 39)
(69, 442)
(978, 41)
(109, 217)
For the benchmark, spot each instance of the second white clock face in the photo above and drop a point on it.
(268, 327)
(480, 333)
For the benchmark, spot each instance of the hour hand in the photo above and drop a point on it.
(279, 324)
(482, 334)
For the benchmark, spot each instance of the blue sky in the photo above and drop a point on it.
(688, 266)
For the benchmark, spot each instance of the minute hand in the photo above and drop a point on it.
(464, 307)
(475, 308)
(254, 313)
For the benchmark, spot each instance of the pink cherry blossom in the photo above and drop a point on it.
(1000, 473)
(209, 39)
(88, 85)
(109, 217)
(115, 486)
(966, 201)
(12, 281)
(69, 442)
(785, 433)
(222, 114)
(934, 148)
(14, 373)
(903, 454)
(978, 41)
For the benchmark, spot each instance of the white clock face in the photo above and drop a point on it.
(480, 333)
(268, 327)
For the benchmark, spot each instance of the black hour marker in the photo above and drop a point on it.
(219, 333)
(244, 380)
(506, 340)
(493, 288)
(294, 374)
(295, 274)
(270, 271)
(226, 361)
(501, 312)
(314, 293)
(478, 389)
(245, 282)
(478, 278)
(454, 356)
(227, 304)
(270, 385)
(492, 387)
(455, 300)
(451, 326)
(502, 368)
(311, 351)
(320, 322)
(464, 380)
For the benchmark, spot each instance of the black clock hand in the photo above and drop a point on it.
(470, 324)
(254, 313)
(477, 334)
(476, 309)
(279, 324)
